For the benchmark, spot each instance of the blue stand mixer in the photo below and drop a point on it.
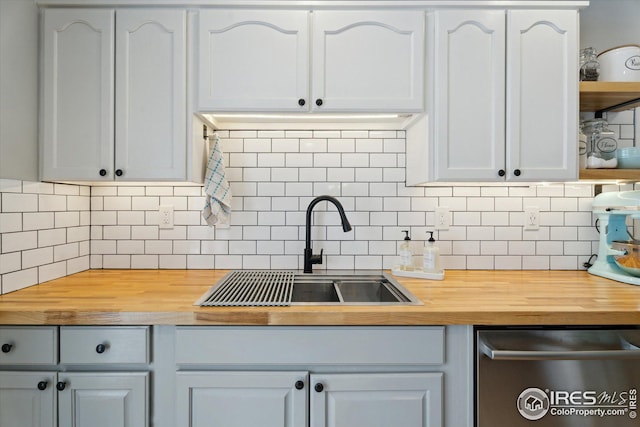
(616, 244)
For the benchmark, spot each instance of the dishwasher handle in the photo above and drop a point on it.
(504, 354)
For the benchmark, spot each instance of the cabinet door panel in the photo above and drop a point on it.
(104, 400)
(77, 99)
(241, 399)
(151, 94)
(377, 400)
(22, 404)
(368, 61)
(253, 60)
(469, 95)
(542, 95)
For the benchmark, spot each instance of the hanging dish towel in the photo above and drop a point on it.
(217, 207)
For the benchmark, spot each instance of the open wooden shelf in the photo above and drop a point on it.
(611, 174)
(609, 96)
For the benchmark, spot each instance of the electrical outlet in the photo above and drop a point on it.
(443, 218)
(165, 215)
(532, 218)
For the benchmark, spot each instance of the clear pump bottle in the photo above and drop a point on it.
(431, 257)
(406, 255)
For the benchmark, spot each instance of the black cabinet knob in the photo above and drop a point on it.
(301, 102)
(517, 172)
(42, 385)
(119, 172)
(61, 385)
(103, 172)
(319, 102)
(6, 348)
(100, 348)
(299, 385)
(501, 172)
(319, 387)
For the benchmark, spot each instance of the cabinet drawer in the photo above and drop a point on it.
(104, 344)
(25, 345)
(310, 345)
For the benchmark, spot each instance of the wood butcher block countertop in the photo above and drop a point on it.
(156, 297)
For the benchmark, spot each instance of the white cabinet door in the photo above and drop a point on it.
(368, 61)
(103, 400)
(542, 95)
(253, 60)
(151, 94)
(468, 94)
(376, 400)
(77, 94)
(27, 399)
(242, 399)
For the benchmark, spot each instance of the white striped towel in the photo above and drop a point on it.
(217, 208)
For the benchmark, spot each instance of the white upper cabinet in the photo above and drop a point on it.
(114, 95)
(256, 60)
(469, 94)
(151, 94)
(253, 60)
(503, 92)
(542, 95)
(368, 61)
(77, 98)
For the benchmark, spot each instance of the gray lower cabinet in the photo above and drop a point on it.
(100, 380)
(290, 399)
(225, 399)
(309, 376)
(27, 399)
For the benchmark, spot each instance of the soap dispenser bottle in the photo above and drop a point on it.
(431, 257)
(406, 256)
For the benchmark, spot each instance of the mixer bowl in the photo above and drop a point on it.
(629, 262)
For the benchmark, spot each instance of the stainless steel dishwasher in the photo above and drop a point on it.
(557, 377)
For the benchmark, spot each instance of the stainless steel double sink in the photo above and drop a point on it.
(284, 287)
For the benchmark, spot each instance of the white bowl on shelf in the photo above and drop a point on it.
(620, 64)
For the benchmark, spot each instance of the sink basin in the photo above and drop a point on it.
(283, 288)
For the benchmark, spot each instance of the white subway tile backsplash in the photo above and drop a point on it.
(53, 271)
(19, 279)
(36, 257)
(9, 262)
(18, 202)
(19, 241)
(273, 176)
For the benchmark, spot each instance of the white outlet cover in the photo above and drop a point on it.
(443, 218)
(531, 218)
(165, 216)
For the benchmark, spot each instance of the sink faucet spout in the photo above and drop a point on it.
(309, 257)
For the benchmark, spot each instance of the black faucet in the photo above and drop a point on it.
(309, 258)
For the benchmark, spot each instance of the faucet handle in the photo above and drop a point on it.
(317, 259)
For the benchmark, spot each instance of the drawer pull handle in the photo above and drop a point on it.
(299, 385)
(42, 385)
(319, 102)
(61, 385)
(6, 348)
(301, 102)
(101, 348)
(319, 387)
(119, 172)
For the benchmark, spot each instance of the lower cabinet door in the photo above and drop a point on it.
(242, 399)
(376, 400)
(27, 399)
(111, 399)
